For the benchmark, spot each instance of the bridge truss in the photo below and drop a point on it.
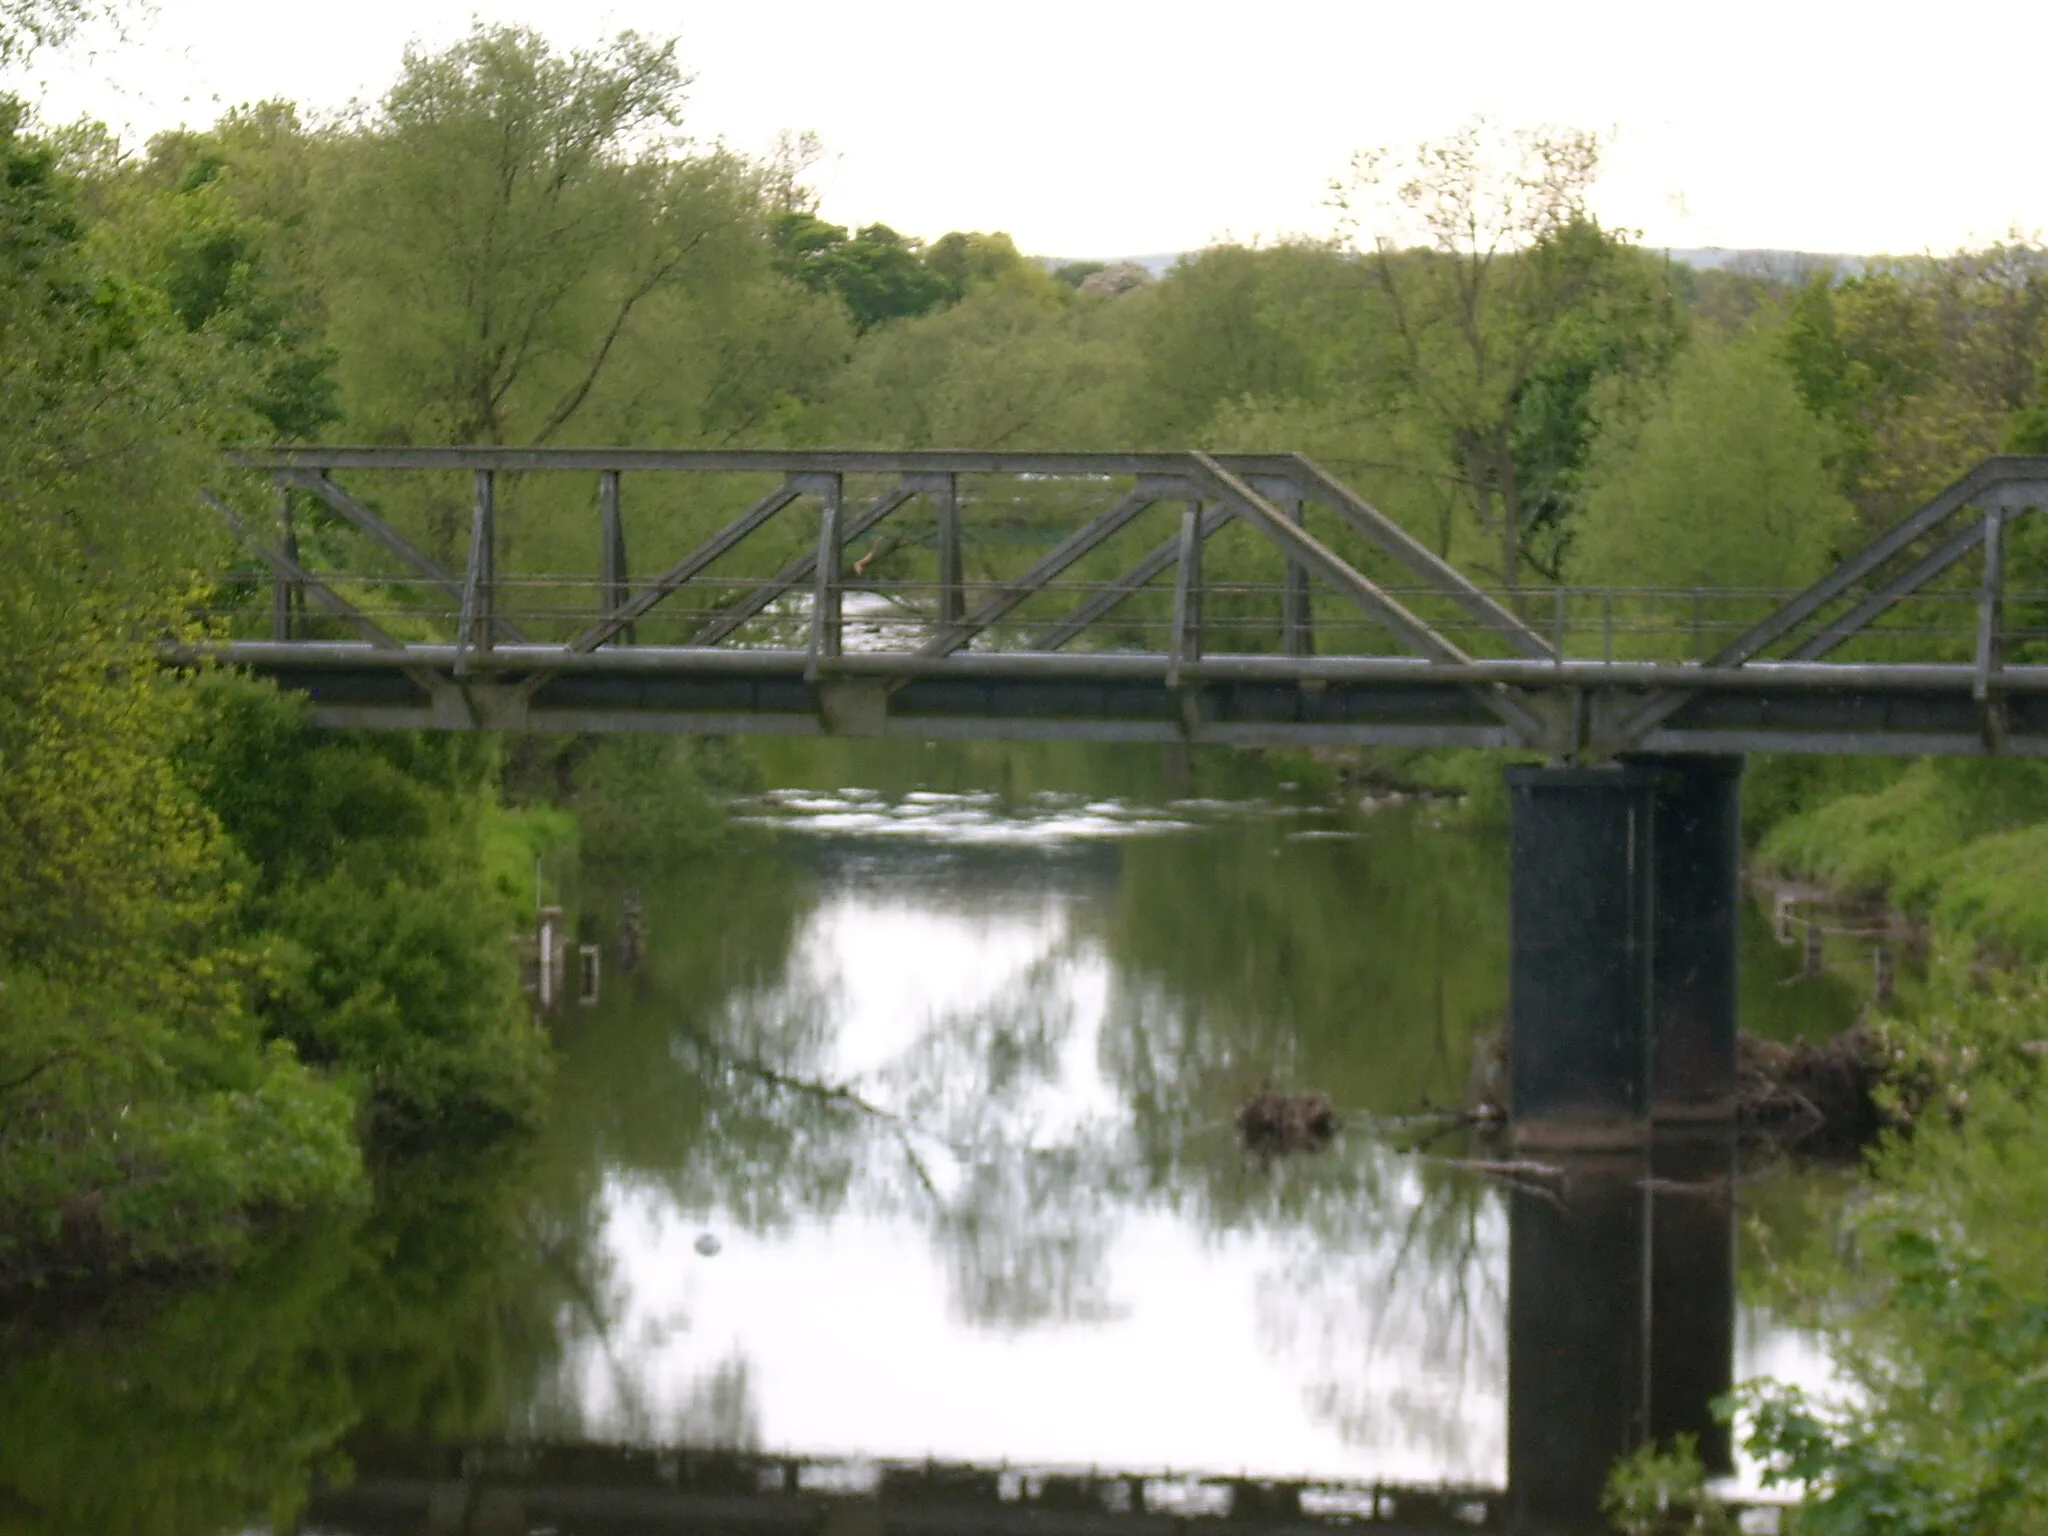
(1176, 597)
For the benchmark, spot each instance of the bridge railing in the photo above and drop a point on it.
(1584, 623)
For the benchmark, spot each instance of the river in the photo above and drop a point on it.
(909, 1143)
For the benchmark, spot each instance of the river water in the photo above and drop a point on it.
(909, 1143)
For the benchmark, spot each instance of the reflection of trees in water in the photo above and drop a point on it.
(1025, 1207)
(1365, 965)
(208, 1409)
(716, 1410)
(1422, 1294)
(1356, 967)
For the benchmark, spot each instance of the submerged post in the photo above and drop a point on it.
(1579, 978)
(1697, 896)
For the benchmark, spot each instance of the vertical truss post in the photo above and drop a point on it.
(1297, 623)
(285, 597)
(827, 626)
(1186, 644)
(613, 535)
(1991, 629)
(952, 586)
(478, 596)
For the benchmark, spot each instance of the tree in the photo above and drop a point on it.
(1513, 304)
(878, 274)
(1921, 366)
(1725, 483)
(497, 227)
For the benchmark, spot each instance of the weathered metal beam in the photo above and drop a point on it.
(827, 634)
(1418, 557)
(288, 569)
(1186, 641)
(623, 616)
(445, 705)
(1990, 660)
(801, 567)
(1362, 591)
(612, 550)
(2001, 478)
(952, 573)
(375, 528)
(1297, 616)
(478, 586)
(1113, 595)
(1012, 594)
(1985, 477)
(1764, 679)
(282, 589)
(1900, 587)
(733, 461)
(1301, 545)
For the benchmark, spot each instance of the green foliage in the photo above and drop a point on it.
(1661, 1490)
(215, 1408)
(649, 801)
(1943, 1333)
(1958, 840)
(1920, 366)
(387, 952)
(875, 272)
(1511, 304)
(1724, 483)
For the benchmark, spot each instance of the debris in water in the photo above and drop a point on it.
(1274, 1124)
(1819, 1098)
(707, 1244)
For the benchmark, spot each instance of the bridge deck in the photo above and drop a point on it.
(1079, 623)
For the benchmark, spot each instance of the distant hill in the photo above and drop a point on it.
(1156, 265)
(1765, 263)
(1709, 258)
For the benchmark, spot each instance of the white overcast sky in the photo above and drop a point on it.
(1111, 127)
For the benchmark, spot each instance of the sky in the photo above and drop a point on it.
(1126, 128)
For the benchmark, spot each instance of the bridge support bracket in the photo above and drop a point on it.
(850, 706)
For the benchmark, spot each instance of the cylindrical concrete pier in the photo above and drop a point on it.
(1697, 862)
(1579, 979)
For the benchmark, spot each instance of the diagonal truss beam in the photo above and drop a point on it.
(283, 565)
(621, 618)
(1893, 592)
(1363, 592)
(799, 569)
(1396, 541)
(426, 679)
(1983, 481)
(1126, 586)
(1011, 594)
(381, 532)
(1382, 606)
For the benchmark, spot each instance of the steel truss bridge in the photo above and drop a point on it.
(1236, 599)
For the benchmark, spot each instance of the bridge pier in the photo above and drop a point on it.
(1623, 897)
(1696, 883)
(1579, 917)
(1621, 1320)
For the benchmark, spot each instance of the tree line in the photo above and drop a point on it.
(239, 960)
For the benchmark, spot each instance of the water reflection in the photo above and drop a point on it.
(910, 1140)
